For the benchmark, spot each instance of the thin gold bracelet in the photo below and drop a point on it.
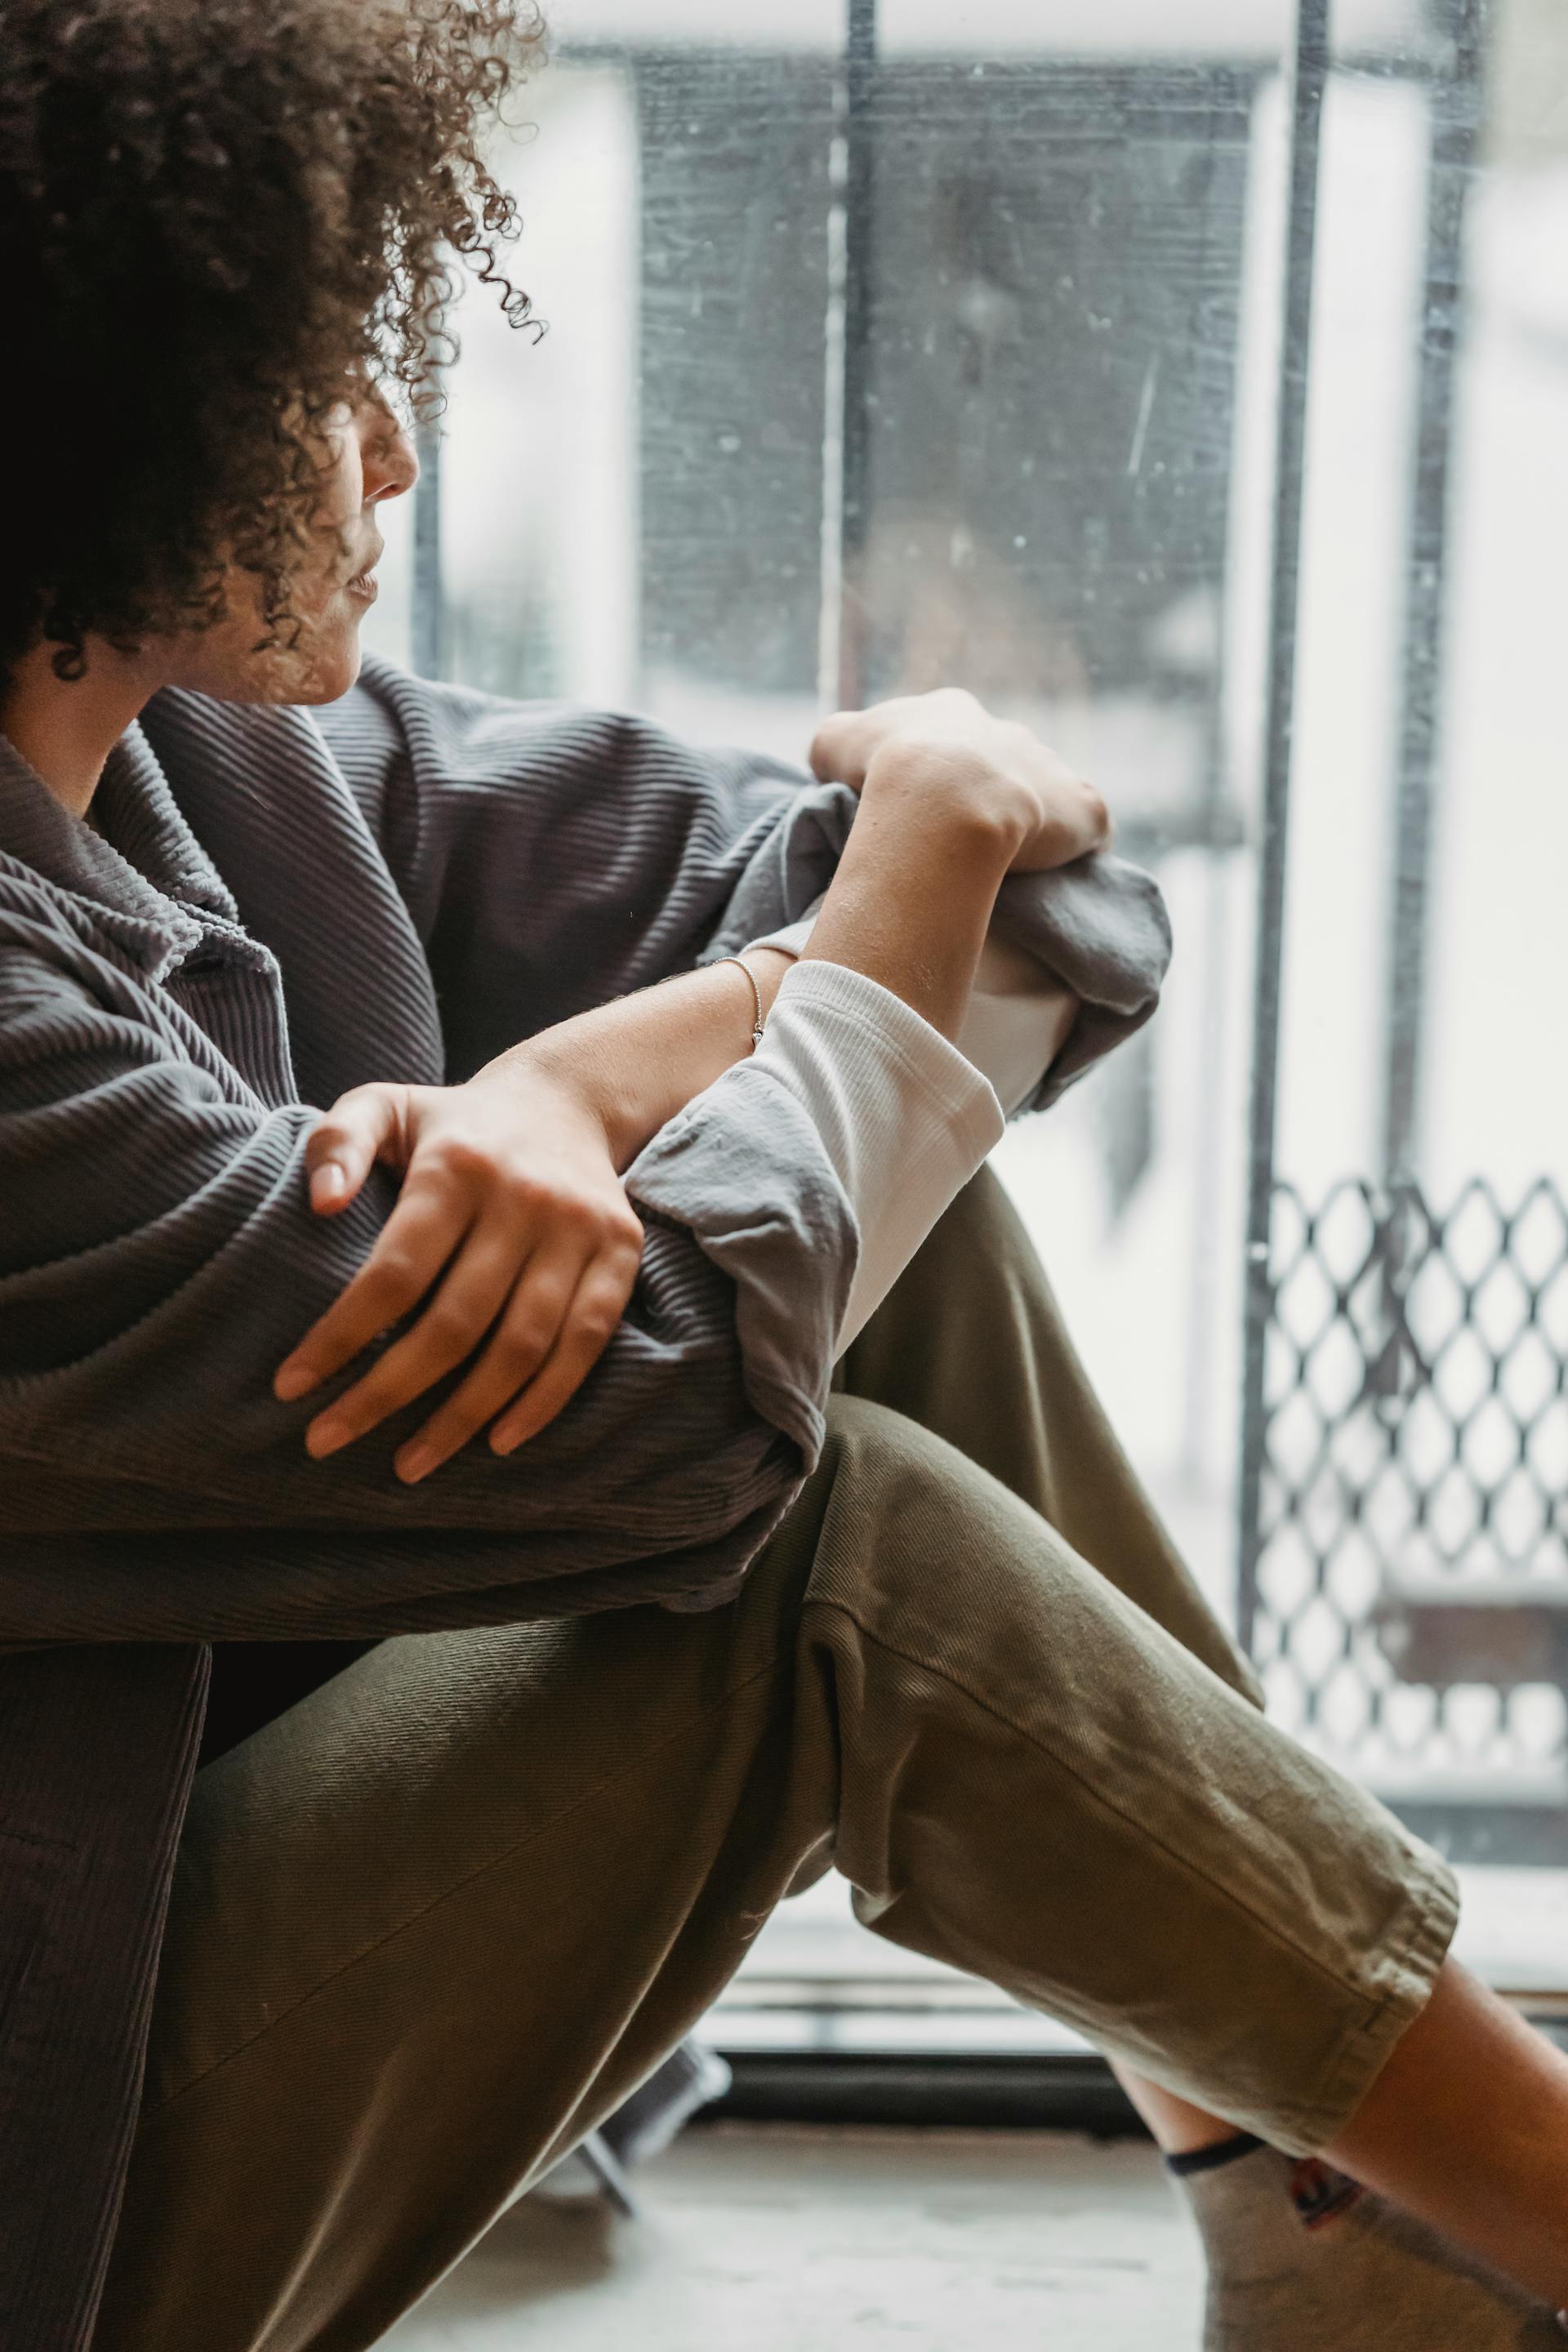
(756, 993)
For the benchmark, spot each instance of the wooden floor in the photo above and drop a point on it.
(787, 2240)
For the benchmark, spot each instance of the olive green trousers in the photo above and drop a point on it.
(434, 1924)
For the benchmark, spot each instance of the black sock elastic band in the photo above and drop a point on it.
(1209, 2159)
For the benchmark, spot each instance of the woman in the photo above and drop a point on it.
(420, 1920)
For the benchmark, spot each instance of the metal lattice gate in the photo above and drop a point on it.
(1410, 1603)
(1402, 1572)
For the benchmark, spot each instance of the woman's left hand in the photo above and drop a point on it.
(514, 1227)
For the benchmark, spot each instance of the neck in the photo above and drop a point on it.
(64, 728)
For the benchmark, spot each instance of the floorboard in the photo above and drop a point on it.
(777, 2239)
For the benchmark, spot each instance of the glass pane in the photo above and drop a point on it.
(1072, 228)
(1416, 1561)
(1060, 257)
(631, 510)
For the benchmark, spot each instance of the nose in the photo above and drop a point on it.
(386, 453)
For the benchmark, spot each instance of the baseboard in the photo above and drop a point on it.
(1026, 2092)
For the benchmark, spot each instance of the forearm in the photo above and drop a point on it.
(911, 900)
(908, 907)
(642, 1058)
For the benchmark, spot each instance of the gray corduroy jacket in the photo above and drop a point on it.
(271, 906)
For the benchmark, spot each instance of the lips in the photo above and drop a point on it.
(363, 583)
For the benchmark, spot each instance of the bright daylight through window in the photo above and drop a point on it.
(1187, 377)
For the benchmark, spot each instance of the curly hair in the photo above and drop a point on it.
(216, 217)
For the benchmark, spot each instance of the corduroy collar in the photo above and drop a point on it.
(138, 865)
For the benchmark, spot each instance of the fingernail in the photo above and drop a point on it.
(293, 1380)
(417, 1463)
(328, 1182)
(325, 1438)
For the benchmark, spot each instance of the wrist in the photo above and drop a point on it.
(629, 1065)
(910, 903)
(565, 1073)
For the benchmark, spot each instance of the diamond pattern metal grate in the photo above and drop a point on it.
(1415, 1418)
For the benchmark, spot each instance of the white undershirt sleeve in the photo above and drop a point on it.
(904, 1116)
(1018, 1016)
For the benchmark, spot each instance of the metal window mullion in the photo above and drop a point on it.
(1308, 79)
(1455, 95)
(427, 618)
(847, 435)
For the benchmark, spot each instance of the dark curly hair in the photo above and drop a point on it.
(216, 217)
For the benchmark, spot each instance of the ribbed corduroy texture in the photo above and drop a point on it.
(410, 882)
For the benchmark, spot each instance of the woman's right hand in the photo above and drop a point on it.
(948, 749)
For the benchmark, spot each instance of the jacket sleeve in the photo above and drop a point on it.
(158, 1259)
(554, 858)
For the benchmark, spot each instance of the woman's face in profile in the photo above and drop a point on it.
(365, 456)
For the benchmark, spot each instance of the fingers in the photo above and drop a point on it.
(533, 1252)
(842, 747)
(1074, 821)
(596, 1311)
(410, 1251)
(846, 744)
(954, 742)
(560, 1306)
(560, 1320)
(1080, 818)
(344, 1145)
(480, 1280)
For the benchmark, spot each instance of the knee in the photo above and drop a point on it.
(873, 1450)
(900, 1511)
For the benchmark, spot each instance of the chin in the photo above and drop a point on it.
(330, 671)
(319, 673)
(329, 688)
(320, 668)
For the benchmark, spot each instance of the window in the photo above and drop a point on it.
(892, 343)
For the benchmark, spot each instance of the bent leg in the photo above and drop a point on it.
(1043, 1787)
(971, 1344)
(431, 1928)
(434, 1925)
